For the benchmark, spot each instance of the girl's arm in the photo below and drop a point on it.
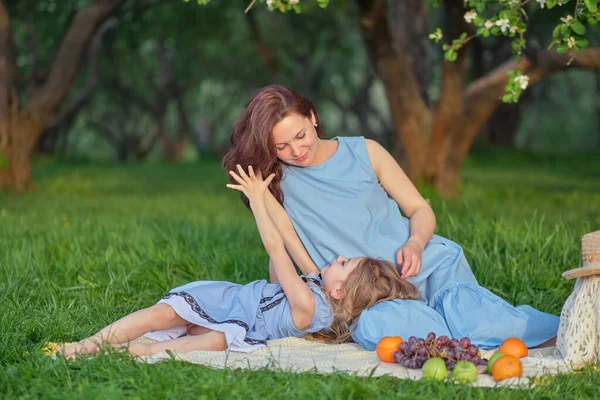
(299, 295)
(413, 205)
(292, 242)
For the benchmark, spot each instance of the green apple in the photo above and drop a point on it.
(464, 372)
(493, 358)
(435, 368)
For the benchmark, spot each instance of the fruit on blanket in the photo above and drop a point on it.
(464, 343)
(416, 351)
(435, 368)
(507, 367)
(514, 347)
(464, 372)
(493, 359)
(387, 346)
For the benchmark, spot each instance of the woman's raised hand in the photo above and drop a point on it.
(252, 185)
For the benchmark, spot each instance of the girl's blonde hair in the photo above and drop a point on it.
(371, 282)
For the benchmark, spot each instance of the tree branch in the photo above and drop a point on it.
(33, 56)
(412, 117)
(450, 106)
(82, 98)
(105, 131)
(410, 31)
(184, 126)
(484, 95)
(263, 50)
(65, 66)
(130, 94)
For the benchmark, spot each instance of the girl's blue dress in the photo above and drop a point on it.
(339, 208)
(249, 315)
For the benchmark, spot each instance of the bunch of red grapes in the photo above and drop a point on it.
(414, 352)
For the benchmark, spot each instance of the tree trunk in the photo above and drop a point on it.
(65, 117)
(8, 99)
(504, 122)
(19, 129)
(412, 118)
(19, 162)
(410, 35)
(448, 112)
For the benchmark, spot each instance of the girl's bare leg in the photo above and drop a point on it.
(212, 340)
(158, 317)
(196, 330)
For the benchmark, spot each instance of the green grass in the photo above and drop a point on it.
(95, 242)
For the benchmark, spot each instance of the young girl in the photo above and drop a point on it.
(208, 315)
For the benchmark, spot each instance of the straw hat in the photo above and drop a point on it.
(590, 253)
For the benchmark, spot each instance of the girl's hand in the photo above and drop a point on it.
(253, 186)
(410, 258)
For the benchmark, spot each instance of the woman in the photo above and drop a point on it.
(347, 193)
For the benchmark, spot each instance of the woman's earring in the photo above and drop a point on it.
(316, 125)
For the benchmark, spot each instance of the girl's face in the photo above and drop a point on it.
(335, 274)
(296, 140)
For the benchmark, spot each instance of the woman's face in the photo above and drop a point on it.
(296, 140)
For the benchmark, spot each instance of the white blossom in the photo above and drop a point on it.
(504, 24)
(488, 24)
(293, 2)
(571, 42)
(567, 20)
(542, 3)
(470, 16)
(513, 29)
(269, 3)
(522, 80)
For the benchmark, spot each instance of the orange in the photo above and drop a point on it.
(387, 346)
(507, 367)
(514, 347)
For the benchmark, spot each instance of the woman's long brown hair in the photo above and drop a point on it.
(252, 136)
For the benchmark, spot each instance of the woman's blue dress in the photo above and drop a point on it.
(339, 208)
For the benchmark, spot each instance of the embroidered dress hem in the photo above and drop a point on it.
(187, 308)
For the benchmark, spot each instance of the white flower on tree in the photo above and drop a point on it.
(470, 16)
(293, 2)
(504, 24)
(269, 3)
(542, 3)
(567, 20)
(522, 80)
(571, 42)
(488, 24)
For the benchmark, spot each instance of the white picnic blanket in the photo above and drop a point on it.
(301, 355)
